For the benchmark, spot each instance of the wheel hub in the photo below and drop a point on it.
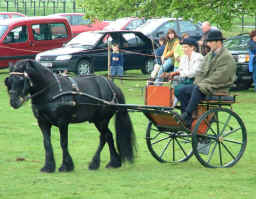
(221, 139)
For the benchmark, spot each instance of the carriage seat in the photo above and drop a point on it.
(219, 98)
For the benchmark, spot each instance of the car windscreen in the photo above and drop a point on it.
(3, 29)
(85, 39)
(237, 43)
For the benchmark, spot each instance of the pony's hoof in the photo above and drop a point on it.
(114, 164)
(64, 168)
(93, 166)
(47, 170)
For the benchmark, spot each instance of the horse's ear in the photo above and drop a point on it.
(29, 66)
(10, 66)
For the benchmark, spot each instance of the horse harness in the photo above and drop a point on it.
(75, 90)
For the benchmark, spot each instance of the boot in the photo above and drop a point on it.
(187, 119)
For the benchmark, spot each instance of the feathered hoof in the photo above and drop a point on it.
(65, 168)
(114, 164)
(47, 169)
(94, 165)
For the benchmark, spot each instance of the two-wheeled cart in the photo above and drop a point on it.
(217, 137)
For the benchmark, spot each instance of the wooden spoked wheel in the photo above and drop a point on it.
(168, 145)
(223, 141)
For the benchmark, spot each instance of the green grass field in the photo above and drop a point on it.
(20, 138)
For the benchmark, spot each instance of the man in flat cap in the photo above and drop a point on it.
(217, 74)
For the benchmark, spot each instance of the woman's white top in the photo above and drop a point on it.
(190, 66)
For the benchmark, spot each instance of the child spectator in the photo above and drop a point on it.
(158, 53)
(117, 61)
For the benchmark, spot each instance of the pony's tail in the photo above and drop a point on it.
(125, 137)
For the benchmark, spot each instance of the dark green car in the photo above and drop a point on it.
(238, 46)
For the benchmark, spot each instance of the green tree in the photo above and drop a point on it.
(220, 12)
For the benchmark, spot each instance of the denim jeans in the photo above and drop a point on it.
(117, 70)
(254, 77)
(166, 67)
(189, 97)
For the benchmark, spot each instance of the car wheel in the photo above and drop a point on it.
(84, 67)
(148, 67)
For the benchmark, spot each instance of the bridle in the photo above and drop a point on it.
(28, 79)
(23, 74)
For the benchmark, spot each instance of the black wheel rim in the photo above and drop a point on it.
(168, 146)
(224, 141)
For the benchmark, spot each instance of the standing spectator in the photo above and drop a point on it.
(217, 74)
(158, 53)
(168, 54)
(117, 61)
(252, 52)
(203, 48)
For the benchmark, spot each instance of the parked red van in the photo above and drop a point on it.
(22, 38)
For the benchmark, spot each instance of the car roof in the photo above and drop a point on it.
(29, 19)
(119, 31)
(116, 31)
(164, 19)
(158, 21)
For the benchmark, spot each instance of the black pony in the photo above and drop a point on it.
(58, 100)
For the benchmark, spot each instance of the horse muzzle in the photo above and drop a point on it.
(16, 101)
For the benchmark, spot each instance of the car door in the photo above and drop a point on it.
(100, 53)
(16, 45)
(134, 48)
(48, 36)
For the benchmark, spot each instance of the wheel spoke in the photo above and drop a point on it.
(231, 132)
(160, 140)
(166, 146)
(173, 150)
(212, 152)
(217, 122)
(186, 140)
(225, 125)
(232, 141)
(220, 154)
(229, 152)
(209, 127)
(184, 152)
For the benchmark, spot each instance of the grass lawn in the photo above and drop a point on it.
(20, 137)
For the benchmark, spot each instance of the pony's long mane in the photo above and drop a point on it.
(34, 69)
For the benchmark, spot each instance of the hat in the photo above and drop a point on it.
(214, 35)
(189, 41)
